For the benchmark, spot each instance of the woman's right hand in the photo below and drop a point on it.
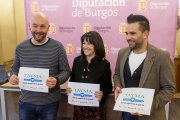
(68, 90)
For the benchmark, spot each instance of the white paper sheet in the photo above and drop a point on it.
(33, 79)
(83, 94)
(135, 100)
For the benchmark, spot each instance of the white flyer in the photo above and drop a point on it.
(135, 100)
(82, 94)
(33, 79)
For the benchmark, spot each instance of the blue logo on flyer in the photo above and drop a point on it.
(130, 97)
(32, 80)
(133, 100)
(83, 93)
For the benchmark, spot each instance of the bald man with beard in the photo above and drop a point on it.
(40, 51)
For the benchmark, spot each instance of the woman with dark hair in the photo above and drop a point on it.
(92, 67)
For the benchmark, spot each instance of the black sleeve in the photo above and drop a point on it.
(107, 82)
(72, 78)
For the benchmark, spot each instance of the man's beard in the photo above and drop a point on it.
(39, 39)
(136, 46)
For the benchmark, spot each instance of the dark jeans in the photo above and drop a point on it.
(38, 112)
(128, 116)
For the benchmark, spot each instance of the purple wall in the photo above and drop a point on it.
(71, 18)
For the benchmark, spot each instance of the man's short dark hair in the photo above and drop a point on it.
(142, 20)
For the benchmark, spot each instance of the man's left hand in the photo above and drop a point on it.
(51, 82)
